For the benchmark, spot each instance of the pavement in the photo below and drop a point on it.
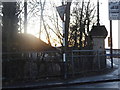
(111, 80)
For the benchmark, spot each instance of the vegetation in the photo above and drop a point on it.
(77, 25)
(82, 18)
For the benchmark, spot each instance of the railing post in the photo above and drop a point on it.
(72, 63)
(98, 55)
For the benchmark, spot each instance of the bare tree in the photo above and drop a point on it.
(42, 6)
(83, 17)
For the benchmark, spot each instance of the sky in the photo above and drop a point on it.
(104, 20)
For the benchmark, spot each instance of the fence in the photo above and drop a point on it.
(27, 66)
(31, 66)
(116, 53)
(87, 61)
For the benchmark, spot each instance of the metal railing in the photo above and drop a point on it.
(116, 53)
(27, 66)
(84, 61)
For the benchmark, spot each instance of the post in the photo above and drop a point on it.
(25, 16)
(64, 51)
(98, 19)
(73, 63)
(111, 52)
(61, 11)
(67, 21)
(65, 33)
(98, 58)
(119, 45)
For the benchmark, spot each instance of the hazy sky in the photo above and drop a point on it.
(104, 20)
